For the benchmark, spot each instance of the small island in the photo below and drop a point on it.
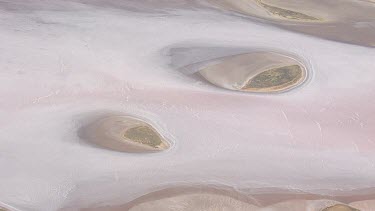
(262, 72)
(126, 134)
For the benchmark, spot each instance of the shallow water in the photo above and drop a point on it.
(66, 63)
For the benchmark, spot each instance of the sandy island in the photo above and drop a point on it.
(124, 133)
(256, 72)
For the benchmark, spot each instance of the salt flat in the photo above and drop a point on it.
(63, 63)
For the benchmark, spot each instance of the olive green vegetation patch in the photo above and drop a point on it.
(289, 14)
(144, 135)
(283, 76)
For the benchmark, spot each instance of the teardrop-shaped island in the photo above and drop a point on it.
(256, 72)
(126, 134)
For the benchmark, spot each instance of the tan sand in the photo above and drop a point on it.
(366, 205)
(256, 72)
(125, 134)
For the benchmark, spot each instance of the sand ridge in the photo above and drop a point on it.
(226, 199)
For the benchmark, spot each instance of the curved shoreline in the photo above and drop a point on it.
(335, 25)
